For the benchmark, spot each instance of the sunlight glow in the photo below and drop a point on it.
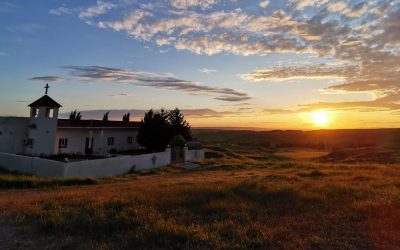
(320, 118)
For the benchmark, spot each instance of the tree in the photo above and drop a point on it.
(178, 125)
(157, 129)
(153, 132)
(105, 117)
(126, 117)
(75, 115)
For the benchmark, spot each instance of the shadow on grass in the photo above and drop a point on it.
(218, 203)
(313, 174)
(252, 215)
(120, 224)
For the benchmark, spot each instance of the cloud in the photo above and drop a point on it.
(120, 95)
(3, 54)
(186, 4)
(240, 31)
(207, 71)
(264, 3)
(311, 71)
(156, 80)
(357, 10)
(96, 10)
(6, 7)
(358, 40)
(62, 10)
(375, 105)
(280, 111)
(232, 98)
(301, 4)
(85, 13)
(337, 6)
(233, 32)
(47, 78)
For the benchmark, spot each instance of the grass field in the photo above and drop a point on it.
(252, 198)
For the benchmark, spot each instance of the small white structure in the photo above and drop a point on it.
(42, 133)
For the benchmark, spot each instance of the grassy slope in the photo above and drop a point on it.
(251, 198)
(19, 181)
(256, 204)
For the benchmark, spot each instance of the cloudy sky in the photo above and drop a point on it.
(232, 63)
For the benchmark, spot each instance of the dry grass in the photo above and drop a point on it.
(302, 154)
(231, 203)
(10, 180)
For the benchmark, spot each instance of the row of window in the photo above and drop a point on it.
(63, 142)
(110, 140)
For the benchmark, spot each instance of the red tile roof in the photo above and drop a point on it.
(66, 123)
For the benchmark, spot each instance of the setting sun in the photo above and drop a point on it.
(320, 118)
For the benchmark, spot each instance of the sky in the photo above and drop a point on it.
(271, 64)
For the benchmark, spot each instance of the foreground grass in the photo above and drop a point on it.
(11, 180)
(232, 203)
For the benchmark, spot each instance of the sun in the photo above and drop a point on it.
(320, 118)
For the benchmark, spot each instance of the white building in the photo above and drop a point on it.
(42, 133)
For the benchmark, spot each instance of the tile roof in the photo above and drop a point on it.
(66, 123)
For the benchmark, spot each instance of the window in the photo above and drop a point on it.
(62, 143)
(110, 141)
(129, 140)
(49, 113)
(34, 112)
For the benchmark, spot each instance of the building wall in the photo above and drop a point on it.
(13, 132)
(43, 131)
(77, 140)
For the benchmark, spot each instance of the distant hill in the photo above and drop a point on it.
(232, 128)
(322, 139)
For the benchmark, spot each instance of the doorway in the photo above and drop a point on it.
(177, 155)
(89, 146)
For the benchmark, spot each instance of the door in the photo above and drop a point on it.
(89, 146)
(176, 155)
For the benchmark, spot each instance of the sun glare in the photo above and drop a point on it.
(320, 118)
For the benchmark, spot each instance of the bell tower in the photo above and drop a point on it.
(42, 126)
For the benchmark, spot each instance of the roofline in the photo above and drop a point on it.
(96, 127)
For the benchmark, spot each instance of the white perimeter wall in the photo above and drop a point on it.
(91, 168)
(13, 131)
(31, 165)
(191, 155)
(118, 165)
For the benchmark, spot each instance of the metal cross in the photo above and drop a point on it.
(47, 87)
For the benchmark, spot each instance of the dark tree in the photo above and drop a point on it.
(178, 125)
(126, 117)
(153, 132)
(75, 115)
(105, 116)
